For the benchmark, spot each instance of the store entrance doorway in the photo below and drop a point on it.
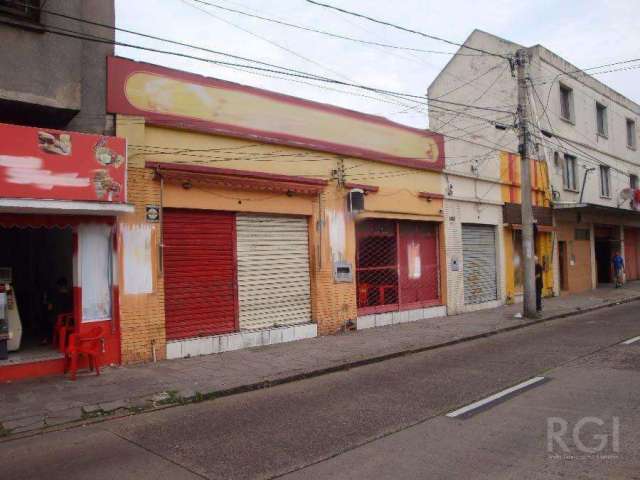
(37, 266)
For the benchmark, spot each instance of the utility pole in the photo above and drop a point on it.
(528, 248)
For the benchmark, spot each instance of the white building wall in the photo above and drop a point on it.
(472, 145)
(472, 170)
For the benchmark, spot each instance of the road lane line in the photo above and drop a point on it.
(631, 340)
(493, 398)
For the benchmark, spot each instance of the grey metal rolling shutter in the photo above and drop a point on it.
(273, 270)
(479, 263)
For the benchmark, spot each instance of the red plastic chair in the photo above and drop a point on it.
(62, 329)
(90, 344)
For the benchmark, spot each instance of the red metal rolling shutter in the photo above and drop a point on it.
(199, 272)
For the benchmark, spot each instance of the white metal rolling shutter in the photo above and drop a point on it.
(273, 271)
(479, 263)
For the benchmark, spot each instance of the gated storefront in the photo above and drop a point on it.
(479, 263)
(254, 179)
(396, 265)
(227, 272)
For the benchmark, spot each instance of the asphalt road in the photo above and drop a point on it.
(387, 420)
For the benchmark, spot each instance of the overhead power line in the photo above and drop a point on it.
(408, 30)
(331, 34)
(281, 70)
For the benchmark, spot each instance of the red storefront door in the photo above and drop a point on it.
(200, 273)
(631, 239)
(418, 264)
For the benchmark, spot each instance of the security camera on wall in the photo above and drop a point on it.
(355, 200)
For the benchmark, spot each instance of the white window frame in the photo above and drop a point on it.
(570, 173)
(569, 93)
(601, 110)
(605, 181)
(631, 133)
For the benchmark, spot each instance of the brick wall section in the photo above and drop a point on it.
(142, 316)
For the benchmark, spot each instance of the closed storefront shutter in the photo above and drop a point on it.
(273, 270)
(479, 263)
(199, 273)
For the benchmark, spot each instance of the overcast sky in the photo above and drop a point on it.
(585, 32)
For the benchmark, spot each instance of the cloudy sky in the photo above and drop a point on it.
(585, 32)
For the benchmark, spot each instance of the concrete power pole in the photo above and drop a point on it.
(528, 248)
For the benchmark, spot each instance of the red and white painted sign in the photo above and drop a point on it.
(51, 164)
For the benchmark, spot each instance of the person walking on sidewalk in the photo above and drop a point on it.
(539, 271)
(618, 268)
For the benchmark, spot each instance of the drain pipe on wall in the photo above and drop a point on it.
(153, 350)
(587, 171)
(161, 214)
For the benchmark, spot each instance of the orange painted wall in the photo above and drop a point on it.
(333, 304)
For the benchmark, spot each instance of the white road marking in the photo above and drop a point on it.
(494, 397)
(630, 341)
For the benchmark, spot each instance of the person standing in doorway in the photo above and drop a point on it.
(618, 269)
(539, 272)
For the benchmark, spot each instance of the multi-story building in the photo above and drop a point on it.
(62, 182)
(49, 78)
(585, 135)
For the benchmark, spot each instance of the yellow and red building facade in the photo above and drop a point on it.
(510, 170)
(261, 218)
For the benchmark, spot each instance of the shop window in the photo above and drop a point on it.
(566, 103)
(601, 119)
(95, 271)
(605, 182)
(582, 234)
(631, 134)
(24, 9)
(569, 172)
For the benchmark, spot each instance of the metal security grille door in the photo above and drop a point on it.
(479, 263)
(396, 265)
(199, 273)
(273, 270)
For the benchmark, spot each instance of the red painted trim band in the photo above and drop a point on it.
(228, 172)
(431, 196)
(366, 188)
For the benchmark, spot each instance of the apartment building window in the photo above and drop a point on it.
(605, 181)
(569, 172)
(633, 182)
(25, 9)
(601, 119)
(566, 103)
(631, 133)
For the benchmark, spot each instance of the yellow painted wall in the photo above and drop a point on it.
(510, 171)
(333, 304)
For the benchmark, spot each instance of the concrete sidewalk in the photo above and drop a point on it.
(33, 405)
